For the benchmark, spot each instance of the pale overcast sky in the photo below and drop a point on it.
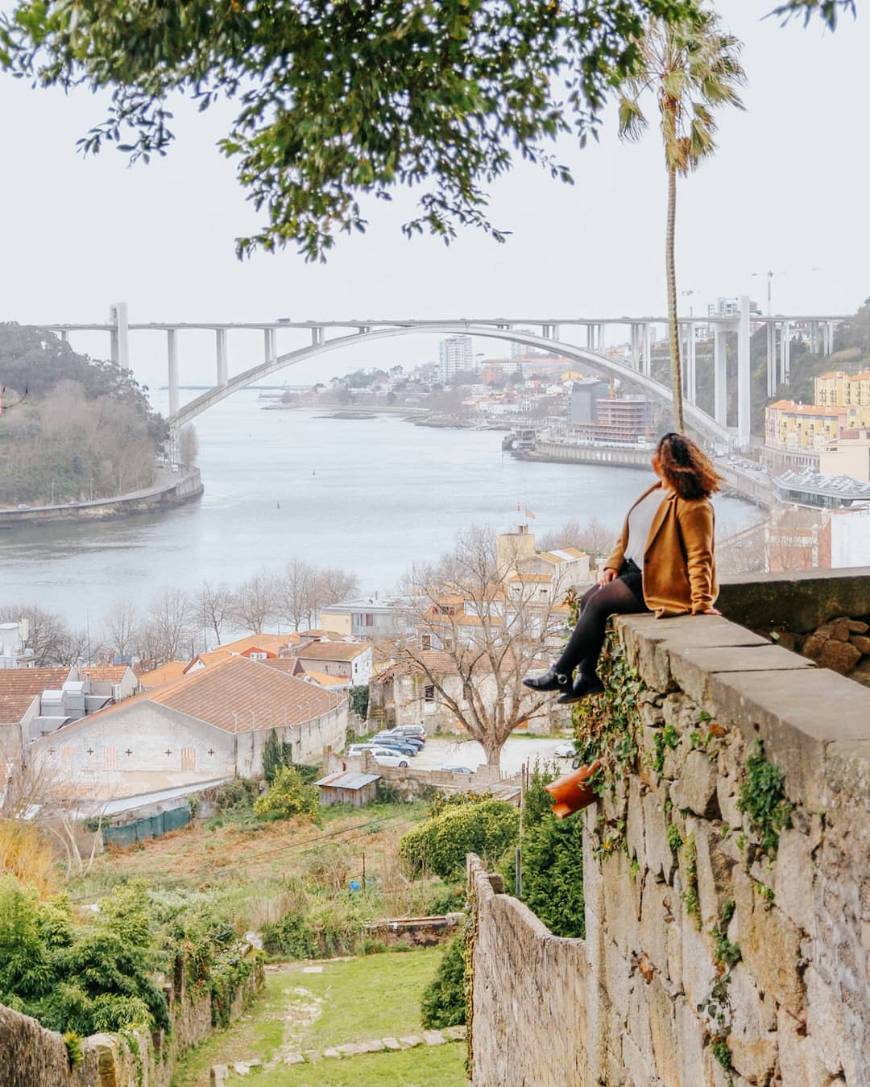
(786, 191)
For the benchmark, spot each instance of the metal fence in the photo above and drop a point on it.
(151, 826)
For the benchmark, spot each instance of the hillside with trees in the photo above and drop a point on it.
(83, 430)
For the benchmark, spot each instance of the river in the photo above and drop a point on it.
(368, 495)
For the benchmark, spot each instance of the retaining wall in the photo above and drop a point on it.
(31, 1056)
(708, 961)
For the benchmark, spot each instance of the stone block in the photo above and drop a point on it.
(332, 1053)
(433, 1037)
(690, 1043)
(410, 1041)
(794, 875)
(692, 666)
(699, 970)
(837, 1038)
(753, 1022)
(218, 1075)
(452, 1034)
(392, 1043)
(617, 978)
(619, 886)
(714, 872)
(791, 713)
(634, 820)
(799, 1064)
(241, 1068)
(293, 1058)
(636, 1064)
(695, 788)
(770, 945)
(655, 919)
(659, 858)
(839, 656)
(663, 1032)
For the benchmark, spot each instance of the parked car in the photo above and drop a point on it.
(389, 758)
(565, 751)
(398, 738)
(458, 769)
(397, 745)
(411, 730)
(404, 735)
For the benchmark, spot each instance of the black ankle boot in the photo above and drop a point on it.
(581, 688)
(551, 680)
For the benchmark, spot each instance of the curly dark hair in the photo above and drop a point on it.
(686, 467)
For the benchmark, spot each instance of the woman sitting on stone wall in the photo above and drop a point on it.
(664, 562)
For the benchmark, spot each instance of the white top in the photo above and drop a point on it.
(640, 520)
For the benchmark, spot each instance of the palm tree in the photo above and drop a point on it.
(691, 66)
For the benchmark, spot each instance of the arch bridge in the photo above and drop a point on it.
(330, 336)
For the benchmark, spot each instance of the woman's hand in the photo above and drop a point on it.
(605, 577)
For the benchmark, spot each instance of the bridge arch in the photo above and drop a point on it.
(589, 359)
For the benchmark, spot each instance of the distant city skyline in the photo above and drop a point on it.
(83, 233)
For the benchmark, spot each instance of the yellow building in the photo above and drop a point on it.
(848, 456)
(806, 426)
(836, 388)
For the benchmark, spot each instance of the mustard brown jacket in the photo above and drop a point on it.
(679, 564)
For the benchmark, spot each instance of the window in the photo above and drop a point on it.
(370, 619)
(257, 656)
(426, 641)
(429, 693)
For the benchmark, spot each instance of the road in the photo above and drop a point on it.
(442, 752)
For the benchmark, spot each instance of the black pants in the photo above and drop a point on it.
(622, 596)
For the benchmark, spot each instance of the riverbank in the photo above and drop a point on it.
(171, 489)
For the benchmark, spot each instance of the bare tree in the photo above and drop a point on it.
(492, 627)
(188, 446)
(591, 536)
(334, 584)
(168, 625)
(255, 603)
(296, 593)
(213, 605)
(48, 635)
(121, 629)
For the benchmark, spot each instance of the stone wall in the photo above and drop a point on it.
(727, 884)
(31, 1056)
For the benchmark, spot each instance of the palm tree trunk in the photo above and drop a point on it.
(673, 324)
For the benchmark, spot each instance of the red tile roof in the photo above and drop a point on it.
(238, 695)
(103, 673)
(19, 687)
(332, 651)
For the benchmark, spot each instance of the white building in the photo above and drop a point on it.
(211, 724)
(13, 637)
(455, 356)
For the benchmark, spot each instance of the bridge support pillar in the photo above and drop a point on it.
(221, 345)
(720, 376)
(691, 365)
(744, 375)
(771, 359)
(120, 335)
(64, 335)
(647, 349)
(172, 359)
(785, 352)
(316, 335)
(634, 330)
(830, 344)
(268, 345)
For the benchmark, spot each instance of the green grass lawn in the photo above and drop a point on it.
(349, 1001)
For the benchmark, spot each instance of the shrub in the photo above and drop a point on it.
(290, 937)
(235, 795)
(440, 844)
(359, 701)
(552, 868)
(443, 1003)
(288, 795)
(276, 754)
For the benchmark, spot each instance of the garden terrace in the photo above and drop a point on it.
(725, 864)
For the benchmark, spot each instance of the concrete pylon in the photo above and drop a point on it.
(744, 376)
(785, 352)
(720, 376)
(268, 345)
(120, 335)
(172, 359)
(221, 345)
(771, 358)
(647, 349)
